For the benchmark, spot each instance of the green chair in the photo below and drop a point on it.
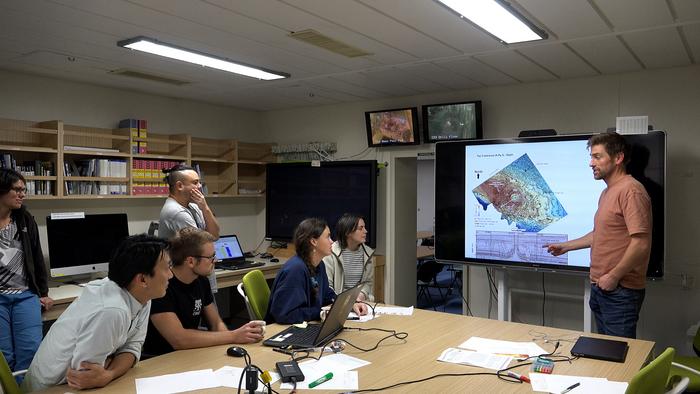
(8, 384)
(654, 377)
(689, 366)
(256, 293)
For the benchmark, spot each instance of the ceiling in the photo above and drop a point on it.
(416, 46)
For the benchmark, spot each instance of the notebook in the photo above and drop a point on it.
(601, 349)
(318, 334)
(229, 254)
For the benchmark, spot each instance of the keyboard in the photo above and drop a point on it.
(299, 338)
(238, 266)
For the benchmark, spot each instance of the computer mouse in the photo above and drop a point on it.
(236, 351)
(274, 260)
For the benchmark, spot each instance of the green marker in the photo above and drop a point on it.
(320, 380)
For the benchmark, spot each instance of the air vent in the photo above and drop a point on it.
(315, 38)
(125, 72)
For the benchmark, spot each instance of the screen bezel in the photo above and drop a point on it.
(449, 169)
(427, 137)
(416, 131)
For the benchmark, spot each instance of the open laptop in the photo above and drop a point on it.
(601, 349)
(318, 334)
(229, 254)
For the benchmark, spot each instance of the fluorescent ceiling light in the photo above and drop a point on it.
(498, 19)
(156, 47)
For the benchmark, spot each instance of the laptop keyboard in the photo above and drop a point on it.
(300, 336)
(239, 266)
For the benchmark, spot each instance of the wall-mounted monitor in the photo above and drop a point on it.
(452, 121)
(392, 127)
(296, 191)
(497, 202)
(84, 245)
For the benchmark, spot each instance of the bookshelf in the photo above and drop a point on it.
(78, 162)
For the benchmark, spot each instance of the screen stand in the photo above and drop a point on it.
(587, 321)
(503, 295)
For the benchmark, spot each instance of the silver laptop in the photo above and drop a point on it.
(229, 254)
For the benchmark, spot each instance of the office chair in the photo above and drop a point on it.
(256, 293)
(426, 276)
(689, 366)
(8, 384)
(654, 377)
(153, 228)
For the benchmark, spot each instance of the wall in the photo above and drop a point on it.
(669, 97)
(37, 98)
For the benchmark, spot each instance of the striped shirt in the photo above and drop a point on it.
(12, 277)
(353, 266)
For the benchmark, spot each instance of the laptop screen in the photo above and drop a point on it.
(227, 247)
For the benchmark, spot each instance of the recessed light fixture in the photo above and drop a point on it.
(497, 18)
(156, 47)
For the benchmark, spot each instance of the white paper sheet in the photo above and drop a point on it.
(341, 366)
(468, 357)
(353, 317)
(177, 382)
(493, 346)
(394, 310)
(543, 382)
(228, 376)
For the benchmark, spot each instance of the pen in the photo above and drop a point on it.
(573, 386)
(320, 380)
(522, 378)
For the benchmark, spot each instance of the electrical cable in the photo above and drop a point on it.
(355, 155)
(544, 298)
(420, 380)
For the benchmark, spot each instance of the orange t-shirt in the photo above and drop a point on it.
(624, 209)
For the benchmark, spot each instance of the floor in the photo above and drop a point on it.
(451, 299)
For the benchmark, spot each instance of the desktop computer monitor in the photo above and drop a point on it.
(83, 244)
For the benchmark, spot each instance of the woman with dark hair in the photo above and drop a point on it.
(301, 286)
(350, 261)
(23, 282)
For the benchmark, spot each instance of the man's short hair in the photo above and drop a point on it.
(188, 242)
(175, 174)
(613, 143)
(137, 254)
(8, 178)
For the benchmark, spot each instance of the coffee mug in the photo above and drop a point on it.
(261, 324)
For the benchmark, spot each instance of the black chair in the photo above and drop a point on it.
(426, 276)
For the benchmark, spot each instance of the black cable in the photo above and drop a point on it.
(392, 334)
(544, 298)
(421, 380)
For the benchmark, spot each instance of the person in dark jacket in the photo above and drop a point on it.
(23, 279)
(301, 286)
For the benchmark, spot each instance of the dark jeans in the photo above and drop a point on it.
(20, 328)
(616, 312)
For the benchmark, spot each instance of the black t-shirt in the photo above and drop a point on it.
(187, 302)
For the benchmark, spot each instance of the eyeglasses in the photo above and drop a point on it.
(210, 258)
(19, 190)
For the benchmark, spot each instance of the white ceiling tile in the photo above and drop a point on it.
(635, 14)
(554, 17)
(687, 10)
(606, 54)
(658, 48)
(381, 81)
(441, 76)
(559, 59)
(517, 66)
(332, 83)
(477, 71)
(398, 77)
(359, 18)
(692, 35)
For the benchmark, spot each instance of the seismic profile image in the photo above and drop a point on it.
(521, 195)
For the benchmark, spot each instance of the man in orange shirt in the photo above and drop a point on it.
(620, 241)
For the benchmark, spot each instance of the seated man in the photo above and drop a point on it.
(176, 317)
(99, 337)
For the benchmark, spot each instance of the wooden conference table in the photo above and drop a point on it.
(429, 333)
(65, 294)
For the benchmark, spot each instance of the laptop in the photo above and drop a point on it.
(601, 349)
(318, 334)
(229, 254)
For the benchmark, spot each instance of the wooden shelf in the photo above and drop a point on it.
(159, 140)
(30, 130)
(211, 160)
(251, 162)
(94, 135)
(156, 156)
(154, 180)
(95, 153)
(20, 148)
(40, 178)
(94, 179)
(40, 197)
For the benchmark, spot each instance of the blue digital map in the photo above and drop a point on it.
(521, 195)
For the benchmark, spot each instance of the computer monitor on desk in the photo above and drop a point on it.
(83, 244)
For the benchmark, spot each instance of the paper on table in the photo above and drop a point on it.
(394, 310)
(230, 376)
(557, 383)
(361, 319)
(177, 382)
(493, 346)
(484, 360)
(339, 364)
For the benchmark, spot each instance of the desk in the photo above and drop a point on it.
(65, 294)
(429, 333)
